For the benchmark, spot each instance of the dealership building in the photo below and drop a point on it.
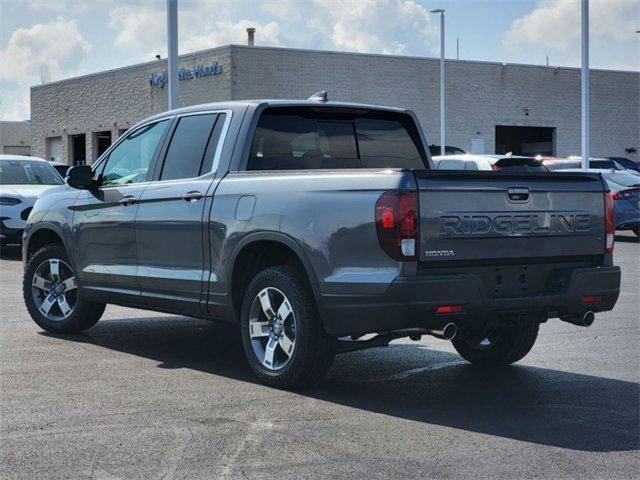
(490, 107)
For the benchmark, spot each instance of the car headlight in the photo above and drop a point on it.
(9, 201)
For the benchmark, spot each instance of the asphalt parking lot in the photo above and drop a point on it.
(145, 395)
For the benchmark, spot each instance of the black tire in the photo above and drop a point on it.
(506, 345)
(85, 314)
(314, 348)
(636, 229)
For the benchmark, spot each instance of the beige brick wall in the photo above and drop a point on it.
(15, 136)
(479, 95)
(118, 99)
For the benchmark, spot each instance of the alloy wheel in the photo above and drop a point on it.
(272, 328)
(54, 289)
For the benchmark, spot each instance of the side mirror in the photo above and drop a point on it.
(80, 177)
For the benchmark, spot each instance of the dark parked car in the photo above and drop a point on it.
(313, 224)
(626, 163)
(625, 189)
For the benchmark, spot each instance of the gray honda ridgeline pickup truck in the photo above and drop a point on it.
(321, 227)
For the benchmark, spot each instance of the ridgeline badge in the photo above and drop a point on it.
(160, 79)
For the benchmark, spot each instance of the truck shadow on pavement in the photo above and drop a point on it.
(407, 381)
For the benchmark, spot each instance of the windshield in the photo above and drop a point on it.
(28, 172)
(624, 179)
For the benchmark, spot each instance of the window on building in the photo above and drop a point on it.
(129, 162)
(302, 139)
(185, 155)
(101, 141)
(78, 149)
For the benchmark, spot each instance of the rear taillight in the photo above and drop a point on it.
(626, 194)
(397, 224)
(609, 224)
(494, 167)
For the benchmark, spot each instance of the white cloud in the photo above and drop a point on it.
(202, 25)
(57, 44)
(226, 32)
(139, 24)
(284, 9)
(377, 26)
(18, 110)
(556, 23)
(374, 26)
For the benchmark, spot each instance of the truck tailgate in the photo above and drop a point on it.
(493, 215)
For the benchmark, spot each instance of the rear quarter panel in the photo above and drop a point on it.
(330, 215)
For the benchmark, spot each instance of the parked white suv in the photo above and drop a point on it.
(22, 180)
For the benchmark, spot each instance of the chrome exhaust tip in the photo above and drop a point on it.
(447, 332)
(586, 320)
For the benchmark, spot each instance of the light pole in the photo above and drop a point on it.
(585, 83)
(442, 139)
(172, 58)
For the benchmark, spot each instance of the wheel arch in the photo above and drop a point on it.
(42, 235)
(276, 246)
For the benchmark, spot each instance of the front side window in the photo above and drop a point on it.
(129, 162)
(28, 172)
(188, 145)
(303, 139)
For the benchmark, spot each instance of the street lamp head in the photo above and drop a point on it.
(437, 10)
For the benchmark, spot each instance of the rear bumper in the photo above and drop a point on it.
(411, 302)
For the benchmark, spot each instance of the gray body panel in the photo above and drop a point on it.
(168, 254)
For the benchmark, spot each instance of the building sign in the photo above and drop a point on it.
(159, 80)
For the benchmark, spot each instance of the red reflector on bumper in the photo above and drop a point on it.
(449, 309)
(592, 298)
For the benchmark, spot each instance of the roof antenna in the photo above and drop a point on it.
(319, 97)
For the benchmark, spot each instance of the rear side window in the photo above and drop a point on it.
(186, 152)
(471, 165)
(303, 139)
(451, 165)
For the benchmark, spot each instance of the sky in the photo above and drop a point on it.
(57, 39)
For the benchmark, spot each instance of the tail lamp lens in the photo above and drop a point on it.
(397, 224)
(626, 194)
(609, 224)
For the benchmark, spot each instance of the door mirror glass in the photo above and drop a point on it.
(80, 177)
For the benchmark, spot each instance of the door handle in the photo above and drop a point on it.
(128, 200)
(192, 196)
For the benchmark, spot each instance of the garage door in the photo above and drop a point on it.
(17, 150)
